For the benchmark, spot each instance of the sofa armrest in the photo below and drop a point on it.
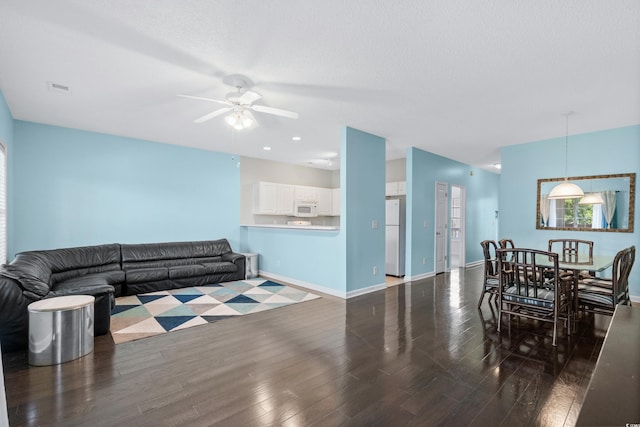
(237, 259)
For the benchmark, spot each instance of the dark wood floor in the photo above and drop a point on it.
(415, 354)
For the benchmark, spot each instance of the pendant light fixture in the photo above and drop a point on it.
(591, 199)
(566, 190)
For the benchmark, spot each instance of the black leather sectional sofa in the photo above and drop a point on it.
(107, 271)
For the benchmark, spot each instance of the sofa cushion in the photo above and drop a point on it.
(105, 278)
(164, 251)
(220, 267)
(179, 272)
(140, 275)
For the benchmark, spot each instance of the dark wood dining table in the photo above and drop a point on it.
(577, 264)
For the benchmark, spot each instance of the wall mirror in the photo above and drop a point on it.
(614, 214)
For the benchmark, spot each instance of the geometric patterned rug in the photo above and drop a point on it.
(146, 315)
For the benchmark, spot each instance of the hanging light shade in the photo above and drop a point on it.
(591, 199)
(566, 190)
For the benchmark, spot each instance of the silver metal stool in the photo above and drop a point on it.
(60, 329)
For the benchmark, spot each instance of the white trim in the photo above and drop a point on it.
(324, 290)
(419, 277)
(474, 264)
(634, 298)
(368, 290)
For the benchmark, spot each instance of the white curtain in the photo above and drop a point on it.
(596, 218)
(544, 208)
(609, 206)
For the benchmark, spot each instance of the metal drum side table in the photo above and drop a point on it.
(60, 329)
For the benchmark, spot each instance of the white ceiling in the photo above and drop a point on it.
(457, 78)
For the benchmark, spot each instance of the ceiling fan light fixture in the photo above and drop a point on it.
(239, 120)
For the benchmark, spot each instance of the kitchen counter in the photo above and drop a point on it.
(295, 227)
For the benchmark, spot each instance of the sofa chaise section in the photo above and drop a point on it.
(35, 275)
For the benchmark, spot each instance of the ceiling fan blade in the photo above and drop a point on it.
(212, 115)
(275, 111)
(219, 101)
(249, 97)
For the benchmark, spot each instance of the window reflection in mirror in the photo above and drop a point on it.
(614, 214)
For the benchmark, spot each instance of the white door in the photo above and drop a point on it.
(457, 227)
(441, 227)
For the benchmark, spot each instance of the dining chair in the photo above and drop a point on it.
(569, 250)
(506, 244)
(490, 282)
(601, 295)
(525, 291)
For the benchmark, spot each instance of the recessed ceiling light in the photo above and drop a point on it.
(266, 148)
(296, 138)
(497, 165)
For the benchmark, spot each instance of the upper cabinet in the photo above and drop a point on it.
(265, 198)
(306, 193)
(284, 203)
(325, 202)
(270, 198)
(335, 202)
(398, 188)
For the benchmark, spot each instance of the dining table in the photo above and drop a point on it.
(577, 264)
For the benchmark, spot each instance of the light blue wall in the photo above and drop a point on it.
(76, 188)
(311, 257)
(362, 178)
(597, 153)
(423, 170)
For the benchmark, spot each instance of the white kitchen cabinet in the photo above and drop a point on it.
(265, 198)
(396, 188)
(284, 202)
(335, 205)
(402, 188)
(306, 193)
(325, 202)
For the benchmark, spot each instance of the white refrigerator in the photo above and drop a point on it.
(394, 237)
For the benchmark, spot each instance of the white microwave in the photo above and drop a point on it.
(305, 208)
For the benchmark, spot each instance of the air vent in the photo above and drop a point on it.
(58, 88)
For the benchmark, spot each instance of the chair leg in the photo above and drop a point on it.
(481, 298)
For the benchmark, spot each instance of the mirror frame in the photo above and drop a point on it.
(632, 202)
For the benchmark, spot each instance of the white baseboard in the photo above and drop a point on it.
(474, 264)
(324, 290)
(634, 299)
(419, 276)
(368, 290)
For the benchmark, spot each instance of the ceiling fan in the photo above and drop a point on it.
(239, 104)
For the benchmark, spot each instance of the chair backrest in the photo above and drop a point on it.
(507, 244)
(622, 264)
(570, 248)
(489, 249)
(526, 273)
